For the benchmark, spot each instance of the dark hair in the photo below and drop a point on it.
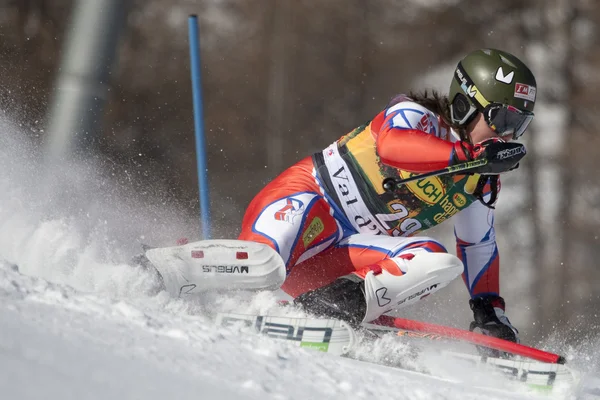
(435, 102)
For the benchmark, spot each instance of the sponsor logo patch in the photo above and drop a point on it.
(508, 153)
(430, 190)
(292, 208)
(315, 228)
(425, 124)
(459, 200)
(523, 91)
(225, 269)
(500, 77)
(423, 292)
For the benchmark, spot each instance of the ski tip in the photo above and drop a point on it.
(561, 360)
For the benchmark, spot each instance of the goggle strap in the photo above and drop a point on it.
(467, 82)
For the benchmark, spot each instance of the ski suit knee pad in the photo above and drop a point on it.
(424, 274)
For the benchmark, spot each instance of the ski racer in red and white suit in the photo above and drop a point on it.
(344, 238)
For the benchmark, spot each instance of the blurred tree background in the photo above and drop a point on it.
(285, 78)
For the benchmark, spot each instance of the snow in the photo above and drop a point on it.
(77, 322)
(57, 342)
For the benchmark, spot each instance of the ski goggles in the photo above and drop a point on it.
(507, 120)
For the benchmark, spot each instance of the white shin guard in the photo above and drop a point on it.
(424, 274)
(218, 264)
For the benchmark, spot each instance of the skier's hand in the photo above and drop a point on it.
(501, 156)
(489, 317)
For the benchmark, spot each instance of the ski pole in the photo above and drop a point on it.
(391, 184)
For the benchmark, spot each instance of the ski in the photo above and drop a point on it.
(536, 369)
(326, 335)
(538, 375)
(337, 338)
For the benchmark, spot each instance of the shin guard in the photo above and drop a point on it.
(423, 274)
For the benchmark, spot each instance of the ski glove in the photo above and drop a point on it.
(501, 156)
(488, 313)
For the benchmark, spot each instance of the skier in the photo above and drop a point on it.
(353, 249)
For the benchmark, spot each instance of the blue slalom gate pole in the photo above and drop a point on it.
(199, 127)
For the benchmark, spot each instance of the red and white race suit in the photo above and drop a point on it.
(328, 215)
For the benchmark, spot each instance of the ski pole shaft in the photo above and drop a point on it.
(390, 184)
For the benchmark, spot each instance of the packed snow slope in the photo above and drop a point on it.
(58, 343)
(78, 322)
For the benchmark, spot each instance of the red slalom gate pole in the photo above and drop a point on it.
(479, 339)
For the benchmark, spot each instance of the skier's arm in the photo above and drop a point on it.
(407, 138)
(402, 145)
(476, 247)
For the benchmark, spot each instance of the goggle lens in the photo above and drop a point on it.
(507, 120)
